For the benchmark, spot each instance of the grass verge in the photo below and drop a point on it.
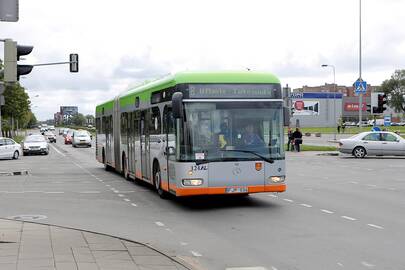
(305, 147)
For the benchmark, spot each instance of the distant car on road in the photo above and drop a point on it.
(65, 132)
(81, 138)
(373, 143)
(68, 137)
(50, 136)
(9, 148)
(35, 144)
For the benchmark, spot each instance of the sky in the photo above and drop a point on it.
(123, 42)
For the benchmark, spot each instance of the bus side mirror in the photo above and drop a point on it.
(177, 105)
(286, 113)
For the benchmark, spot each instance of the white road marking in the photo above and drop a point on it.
(195, 253)
(121, 195)
(366, 264)
(273, 268)
(89, 192)
(116, 191)
(133, 204)
(54, 192)
(272, 195)
(160, 224)
(107, 185)
(353, 182)
(375, 226)
(326, 211)
(391, 188)
(59, 152)
(340, 264)
(288, 200)
(183, 243)
(372, 185)
(250, 268)
(348, 218)
(127, 191)
(306, 205)
(32, 191)
(169, 230)
(127, 200)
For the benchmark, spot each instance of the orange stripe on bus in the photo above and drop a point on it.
(221, 190)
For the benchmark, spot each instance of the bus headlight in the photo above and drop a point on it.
(276, 179)
(192, 182)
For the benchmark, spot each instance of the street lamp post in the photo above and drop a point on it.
(334, 97)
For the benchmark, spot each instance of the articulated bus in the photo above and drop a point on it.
(197, 133)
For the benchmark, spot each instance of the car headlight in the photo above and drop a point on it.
(192, 182)
(276, 179)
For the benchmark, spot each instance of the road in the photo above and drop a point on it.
(338, 212)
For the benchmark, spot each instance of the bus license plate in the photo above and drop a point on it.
(236, 190)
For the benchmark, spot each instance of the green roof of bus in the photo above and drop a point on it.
(144, 90)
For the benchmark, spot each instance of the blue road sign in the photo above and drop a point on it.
(360, 87)
(387, 120)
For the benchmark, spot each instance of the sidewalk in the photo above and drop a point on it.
(30, 246)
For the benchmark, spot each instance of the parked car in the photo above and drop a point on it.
(50, 136)
(81, 138)
(35, 144)
(350, 124)
(68, 137)
(373, 143)
(9, 148)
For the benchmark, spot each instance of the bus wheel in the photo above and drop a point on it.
(157, 180)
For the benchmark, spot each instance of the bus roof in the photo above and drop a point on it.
(144, 90)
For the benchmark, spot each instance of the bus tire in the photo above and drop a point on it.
(157, 181)
(125, 167)
(106, 166)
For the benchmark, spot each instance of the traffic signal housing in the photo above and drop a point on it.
(382, 100)
(12, 53)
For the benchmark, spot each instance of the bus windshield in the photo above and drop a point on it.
(232, 131)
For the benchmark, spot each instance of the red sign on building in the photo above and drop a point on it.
(354, 106)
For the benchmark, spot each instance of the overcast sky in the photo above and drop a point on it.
(122, 42)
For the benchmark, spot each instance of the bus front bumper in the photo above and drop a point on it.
(192, 191)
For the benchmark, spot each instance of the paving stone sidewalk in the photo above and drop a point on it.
(30, 246)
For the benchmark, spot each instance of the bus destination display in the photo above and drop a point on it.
(234, 90)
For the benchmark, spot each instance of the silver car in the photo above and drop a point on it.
(81, 138)
(35, 144)
(373, 143)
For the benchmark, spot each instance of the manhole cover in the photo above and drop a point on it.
(28, 217)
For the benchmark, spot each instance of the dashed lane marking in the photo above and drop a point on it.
(340, 264)
(366, 264)
(54, 192)
(375, 226)
(127, 200)
(89, 192)
(133, 204)
(195, 253)
(288, 200)
(272, 195)
(306, 205)
(121, 195)
(160, 224)
(348, 218)
(327, 211)
(59, 152)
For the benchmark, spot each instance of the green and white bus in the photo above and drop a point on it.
(197, 133)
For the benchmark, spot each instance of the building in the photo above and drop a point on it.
(58, 118)
(315, 109)
(67, 112)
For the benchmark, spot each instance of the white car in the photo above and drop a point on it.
(373, 143)
(9, 148)
(81, 138)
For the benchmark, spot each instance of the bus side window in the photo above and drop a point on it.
(155, 123)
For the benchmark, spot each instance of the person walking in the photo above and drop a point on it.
(297, 135)
(290, 140)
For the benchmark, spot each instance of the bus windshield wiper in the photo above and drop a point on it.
(269, 160)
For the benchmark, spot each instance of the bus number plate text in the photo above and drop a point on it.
(236, 190)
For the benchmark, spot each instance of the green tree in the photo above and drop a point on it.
(395, 90)
(78, 120)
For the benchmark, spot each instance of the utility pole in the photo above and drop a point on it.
(361, 94)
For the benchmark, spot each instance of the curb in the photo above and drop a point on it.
(22, 172)
(329, 154)
(174, 259)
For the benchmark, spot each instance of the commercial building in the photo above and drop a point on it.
(65, 114)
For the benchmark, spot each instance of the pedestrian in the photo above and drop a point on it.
(338, 128)
(297, 135)
(343, 127)
(290, 139)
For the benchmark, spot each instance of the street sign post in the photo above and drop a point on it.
(387, 120)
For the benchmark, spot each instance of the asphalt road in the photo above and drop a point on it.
(338, 212)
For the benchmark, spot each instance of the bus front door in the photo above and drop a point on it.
(145, 148)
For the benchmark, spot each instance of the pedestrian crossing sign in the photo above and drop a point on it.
(360, 87)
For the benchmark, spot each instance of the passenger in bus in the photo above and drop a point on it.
(223, 136)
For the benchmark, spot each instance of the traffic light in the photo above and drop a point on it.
(12, 53)
(74, 62)
(382, 100)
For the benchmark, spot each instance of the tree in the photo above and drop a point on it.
(78, 120)
(394, 88)
(89, 119)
